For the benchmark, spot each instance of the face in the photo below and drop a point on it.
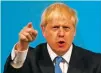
(59, 34)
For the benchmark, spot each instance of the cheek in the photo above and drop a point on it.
(51, 34)
(70, 36)
(51, 37)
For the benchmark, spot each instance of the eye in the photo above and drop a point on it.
(66, 27)
(55, 27)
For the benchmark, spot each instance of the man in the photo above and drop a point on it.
(58, 25)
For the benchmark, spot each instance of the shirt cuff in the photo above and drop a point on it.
(18, 57)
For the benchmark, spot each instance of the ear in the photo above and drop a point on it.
(43, 30)
(75, 32)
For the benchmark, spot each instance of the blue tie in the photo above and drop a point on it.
(57, 67)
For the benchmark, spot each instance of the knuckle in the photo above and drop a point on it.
(27, 34)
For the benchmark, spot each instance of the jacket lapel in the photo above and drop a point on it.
(45, 63)
(76, 63)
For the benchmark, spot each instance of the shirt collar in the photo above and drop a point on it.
(66, 56)
(51, 53)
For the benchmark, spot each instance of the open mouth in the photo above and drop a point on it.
(61, 43)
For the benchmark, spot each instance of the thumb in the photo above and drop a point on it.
(29, 25)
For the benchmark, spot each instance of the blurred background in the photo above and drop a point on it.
(16, 14)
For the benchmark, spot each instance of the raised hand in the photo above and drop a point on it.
(26, 35)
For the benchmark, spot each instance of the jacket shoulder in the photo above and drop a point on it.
(88, 55)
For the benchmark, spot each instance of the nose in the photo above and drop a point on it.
(61, 32)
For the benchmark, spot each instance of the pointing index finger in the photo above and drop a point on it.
(29, 25)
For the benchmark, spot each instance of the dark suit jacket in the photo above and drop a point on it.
(39, 61)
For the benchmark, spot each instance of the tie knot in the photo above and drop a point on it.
(58, 60)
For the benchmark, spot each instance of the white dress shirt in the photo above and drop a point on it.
(19, 57)
(66, 57)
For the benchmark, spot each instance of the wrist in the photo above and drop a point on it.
(21, 46)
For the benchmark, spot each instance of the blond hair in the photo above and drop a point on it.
(59, 10)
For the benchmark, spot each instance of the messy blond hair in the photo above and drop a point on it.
(59, 10)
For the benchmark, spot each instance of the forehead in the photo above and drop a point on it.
(59, 18)
(62, 17)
